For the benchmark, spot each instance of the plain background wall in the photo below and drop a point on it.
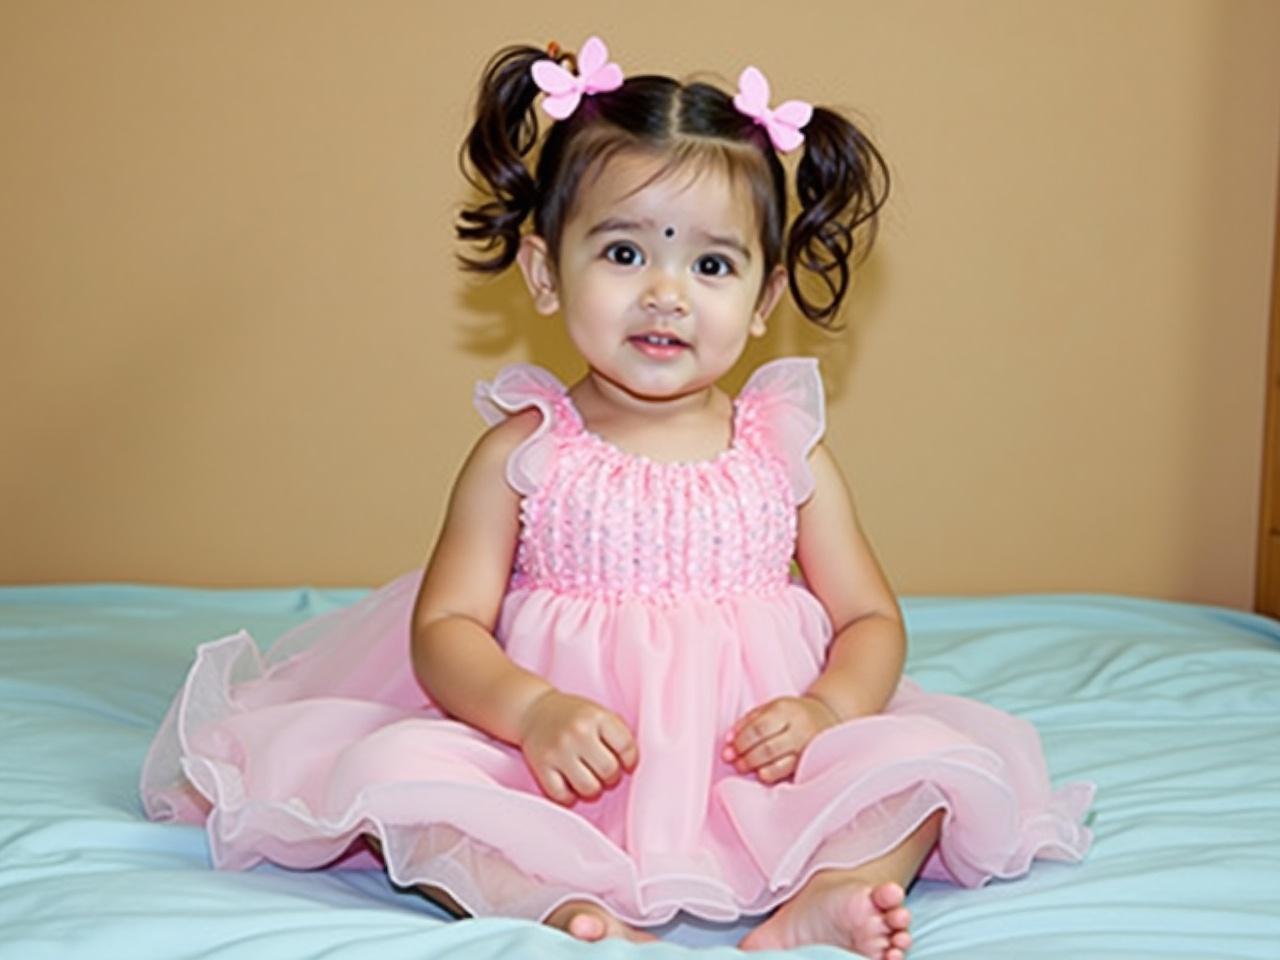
(236, 350)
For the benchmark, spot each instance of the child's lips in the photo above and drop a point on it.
(659, 335)
(659, 346)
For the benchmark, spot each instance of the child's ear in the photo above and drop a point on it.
(773, 290)
(539, 274)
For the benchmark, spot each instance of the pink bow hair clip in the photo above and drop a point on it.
(783, 124)
(596, 74)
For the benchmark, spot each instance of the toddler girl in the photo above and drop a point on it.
(607, 699)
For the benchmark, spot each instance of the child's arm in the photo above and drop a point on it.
(864, 660)
(455, 656)
(574, 747)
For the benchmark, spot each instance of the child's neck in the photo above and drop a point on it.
(598, 398)
(692, 427)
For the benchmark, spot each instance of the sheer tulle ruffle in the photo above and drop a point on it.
(288, 765)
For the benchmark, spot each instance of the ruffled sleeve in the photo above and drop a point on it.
(788, 414)
(515, 388)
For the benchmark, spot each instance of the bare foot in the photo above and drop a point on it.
(836, 909)
(586, 920)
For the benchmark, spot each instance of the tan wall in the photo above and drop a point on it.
(235, 349)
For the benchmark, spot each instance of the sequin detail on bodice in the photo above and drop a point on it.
(608, 524)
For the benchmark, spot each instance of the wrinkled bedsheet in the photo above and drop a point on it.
(1172, 709)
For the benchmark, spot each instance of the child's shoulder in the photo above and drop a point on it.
(484, 477)
(499, 441)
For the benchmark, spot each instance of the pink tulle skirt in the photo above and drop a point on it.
(296, 757)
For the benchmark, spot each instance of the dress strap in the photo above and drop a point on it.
(786, 415)
(517, 387)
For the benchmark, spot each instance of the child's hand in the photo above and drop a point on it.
(575, 747)
(769, 739)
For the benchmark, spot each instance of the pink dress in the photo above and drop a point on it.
(663, 591)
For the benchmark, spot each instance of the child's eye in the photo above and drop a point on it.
(623, 254)
(714, 265)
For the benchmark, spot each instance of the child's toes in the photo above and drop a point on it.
(901, 940)
(898, 919)
(887, 896)
(586, 926)
(872, 947)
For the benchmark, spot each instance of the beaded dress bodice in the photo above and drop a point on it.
(607, 523)
(599, 522)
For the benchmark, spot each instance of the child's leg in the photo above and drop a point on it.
(582, 919)
(442, 899)
(858, 909)
(435, 894)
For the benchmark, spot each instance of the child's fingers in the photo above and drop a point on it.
(743, 720)
(763, 726)
(619, 739)
(603, 762)
(779, 769)
(554, 785)
(766, 751)
(581, 780)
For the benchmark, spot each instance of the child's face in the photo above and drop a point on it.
(677, 261)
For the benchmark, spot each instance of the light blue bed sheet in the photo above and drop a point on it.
(1173, 709)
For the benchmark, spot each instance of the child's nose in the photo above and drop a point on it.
(664, 295)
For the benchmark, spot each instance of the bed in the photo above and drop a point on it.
(1172, 709)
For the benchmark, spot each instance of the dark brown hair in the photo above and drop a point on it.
(841, 179)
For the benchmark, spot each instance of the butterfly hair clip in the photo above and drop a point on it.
(783, 124)
(565, 90)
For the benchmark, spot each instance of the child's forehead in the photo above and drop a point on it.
(646, 186)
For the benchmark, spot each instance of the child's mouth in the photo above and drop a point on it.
(659, 346)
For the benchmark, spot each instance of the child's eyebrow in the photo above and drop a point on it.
(619, 224)
(733, 243)
(610, 224)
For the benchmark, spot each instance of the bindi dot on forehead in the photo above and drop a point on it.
(669, 232)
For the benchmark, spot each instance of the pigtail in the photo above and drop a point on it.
(492, 158)
(841, 182)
